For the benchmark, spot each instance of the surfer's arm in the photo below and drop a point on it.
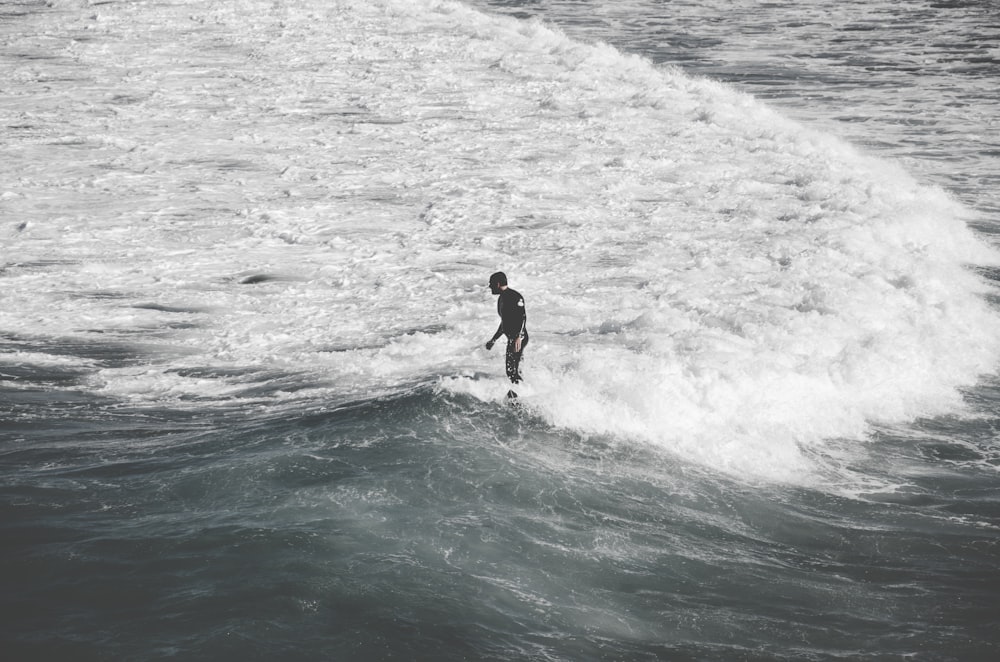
(489, 343)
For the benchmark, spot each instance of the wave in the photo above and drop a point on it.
(738, 287)
(701, 273)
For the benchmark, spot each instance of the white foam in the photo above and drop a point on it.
(323, 189)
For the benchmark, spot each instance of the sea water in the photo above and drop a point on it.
(247, 410)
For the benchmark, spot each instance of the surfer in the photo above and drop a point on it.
(513, 324)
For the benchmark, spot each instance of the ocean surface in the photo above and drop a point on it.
(246, 411)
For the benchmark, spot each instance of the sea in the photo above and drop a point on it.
(246, 408)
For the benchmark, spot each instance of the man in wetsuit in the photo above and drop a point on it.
(513, 324)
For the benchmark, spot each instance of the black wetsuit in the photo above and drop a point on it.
(514, 325)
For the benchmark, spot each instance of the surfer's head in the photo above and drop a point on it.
(498, 280)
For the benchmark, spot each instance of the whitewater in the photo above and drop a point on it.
(245, 247)
(703, 273)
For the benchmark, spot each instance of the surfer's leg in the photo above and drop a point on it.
(514, 360)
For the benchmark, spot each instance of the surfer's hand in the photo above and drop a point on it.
(489, 344)
(517, 344)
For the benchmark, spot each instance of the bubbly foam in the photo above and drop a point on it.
(322, 190)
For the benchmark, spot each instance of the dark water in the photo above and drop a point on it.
(421, 522)
(426, 527)
(431, 527)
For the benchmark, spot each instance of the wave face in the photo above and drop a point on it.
(264, 202)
